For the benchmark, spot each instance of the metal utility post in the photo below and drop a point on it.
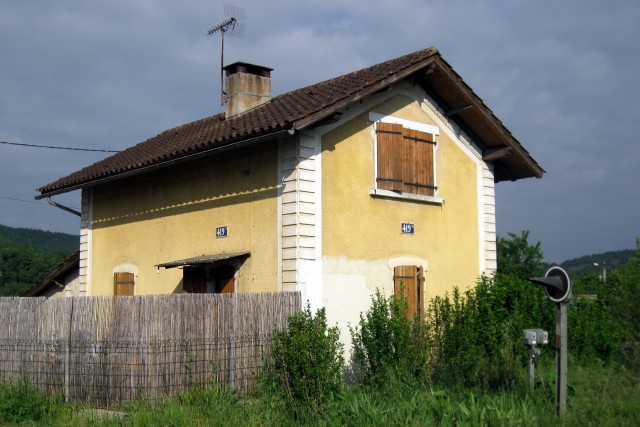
(603, 276)
(557, 286)
(561, 358)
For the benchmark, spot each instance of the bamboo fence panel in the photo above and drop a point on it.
(111, 349)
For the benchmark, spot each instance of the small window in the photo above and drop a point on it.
(123, 284)
(407, 280)
(405, 157)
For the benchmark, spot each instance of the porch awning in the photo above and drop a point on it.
(203, 260)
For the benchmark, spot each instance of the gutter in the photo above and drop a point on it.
(166, 163)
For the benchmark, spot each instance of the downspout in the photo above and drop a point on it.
(64, 208)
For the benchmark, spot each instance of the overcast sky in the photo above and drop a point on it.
(561, 75)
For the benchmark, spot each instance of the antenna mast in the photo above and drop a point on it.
(235, 28)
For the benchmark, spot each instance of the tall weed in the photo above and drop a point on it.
(21, 402)
(305, 366)
(387, 342)
(477, 335)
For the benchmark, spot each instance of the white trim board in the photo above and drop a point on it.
(422, 127)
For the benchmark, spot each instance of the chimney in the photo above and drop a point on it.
(248, 86)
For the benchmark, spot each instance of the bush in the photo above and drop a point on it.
(22, 402)
(387, 342)
(622, 295)
(477, 335)
(305, 366)
(592, 333)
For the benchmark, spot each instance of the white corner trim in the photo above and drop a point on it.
(422, 127)
(86, 242)
(319, 207)
(481, 217)
(376, 192)
(280, 184)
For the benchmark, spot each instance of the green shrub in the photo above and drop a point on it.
(477, 335)
(305, 366)
(387, 342)
(592, 333)
(22, 402)
(621, 293)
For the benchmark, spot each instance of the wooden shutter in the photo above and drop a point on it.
(418, 172)
(407, 280)
(389, 140)
(123, 283)
(194, 280)
(409, 161)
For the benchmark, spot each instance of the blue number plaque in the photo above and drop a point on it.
(407, 228)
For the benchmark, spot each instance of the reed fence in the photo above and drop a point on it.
(112, 349)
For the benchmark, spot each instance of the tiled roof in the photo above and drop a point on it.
(293, 110)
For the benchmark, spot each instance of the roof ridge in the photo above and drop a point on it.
(295, 109)
(421, 54)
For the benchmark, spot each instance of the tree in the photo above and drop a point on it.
(518, 257)
(22, 266)
(622, 295)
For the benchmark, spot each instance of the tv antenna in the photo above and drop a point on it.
(234, 27)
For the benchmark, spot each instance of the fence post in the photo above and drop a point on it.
(231, 364)
(153, 371)
(67, 357)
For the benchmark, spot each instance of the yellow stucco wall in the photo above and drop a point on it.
(172, 214)
(361, 234)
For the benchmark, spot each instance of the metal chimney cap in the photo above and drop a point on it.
(246, 67)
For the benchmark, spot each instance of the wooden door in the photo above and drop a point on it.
(407, 281)
(224, 277)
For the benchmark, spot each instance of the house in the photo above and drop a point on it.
(63, 280)
(377, 179)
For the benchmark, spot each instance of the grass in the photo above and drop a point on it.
(598, 395)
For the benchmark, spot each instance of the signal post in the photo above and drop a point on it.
(557, 286)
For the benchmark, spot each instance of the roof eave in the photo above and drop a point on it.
(147, 168)
(506, 138)
(531, 167)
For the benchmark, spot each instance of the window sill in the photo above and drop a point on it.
(388, 194)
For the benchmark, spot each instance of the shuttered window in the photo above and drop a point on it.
(123, 284)
(407, 281)
(405, 159)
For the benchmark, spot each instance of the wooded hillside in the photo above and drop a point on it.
(585, 264)
(27, 255)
